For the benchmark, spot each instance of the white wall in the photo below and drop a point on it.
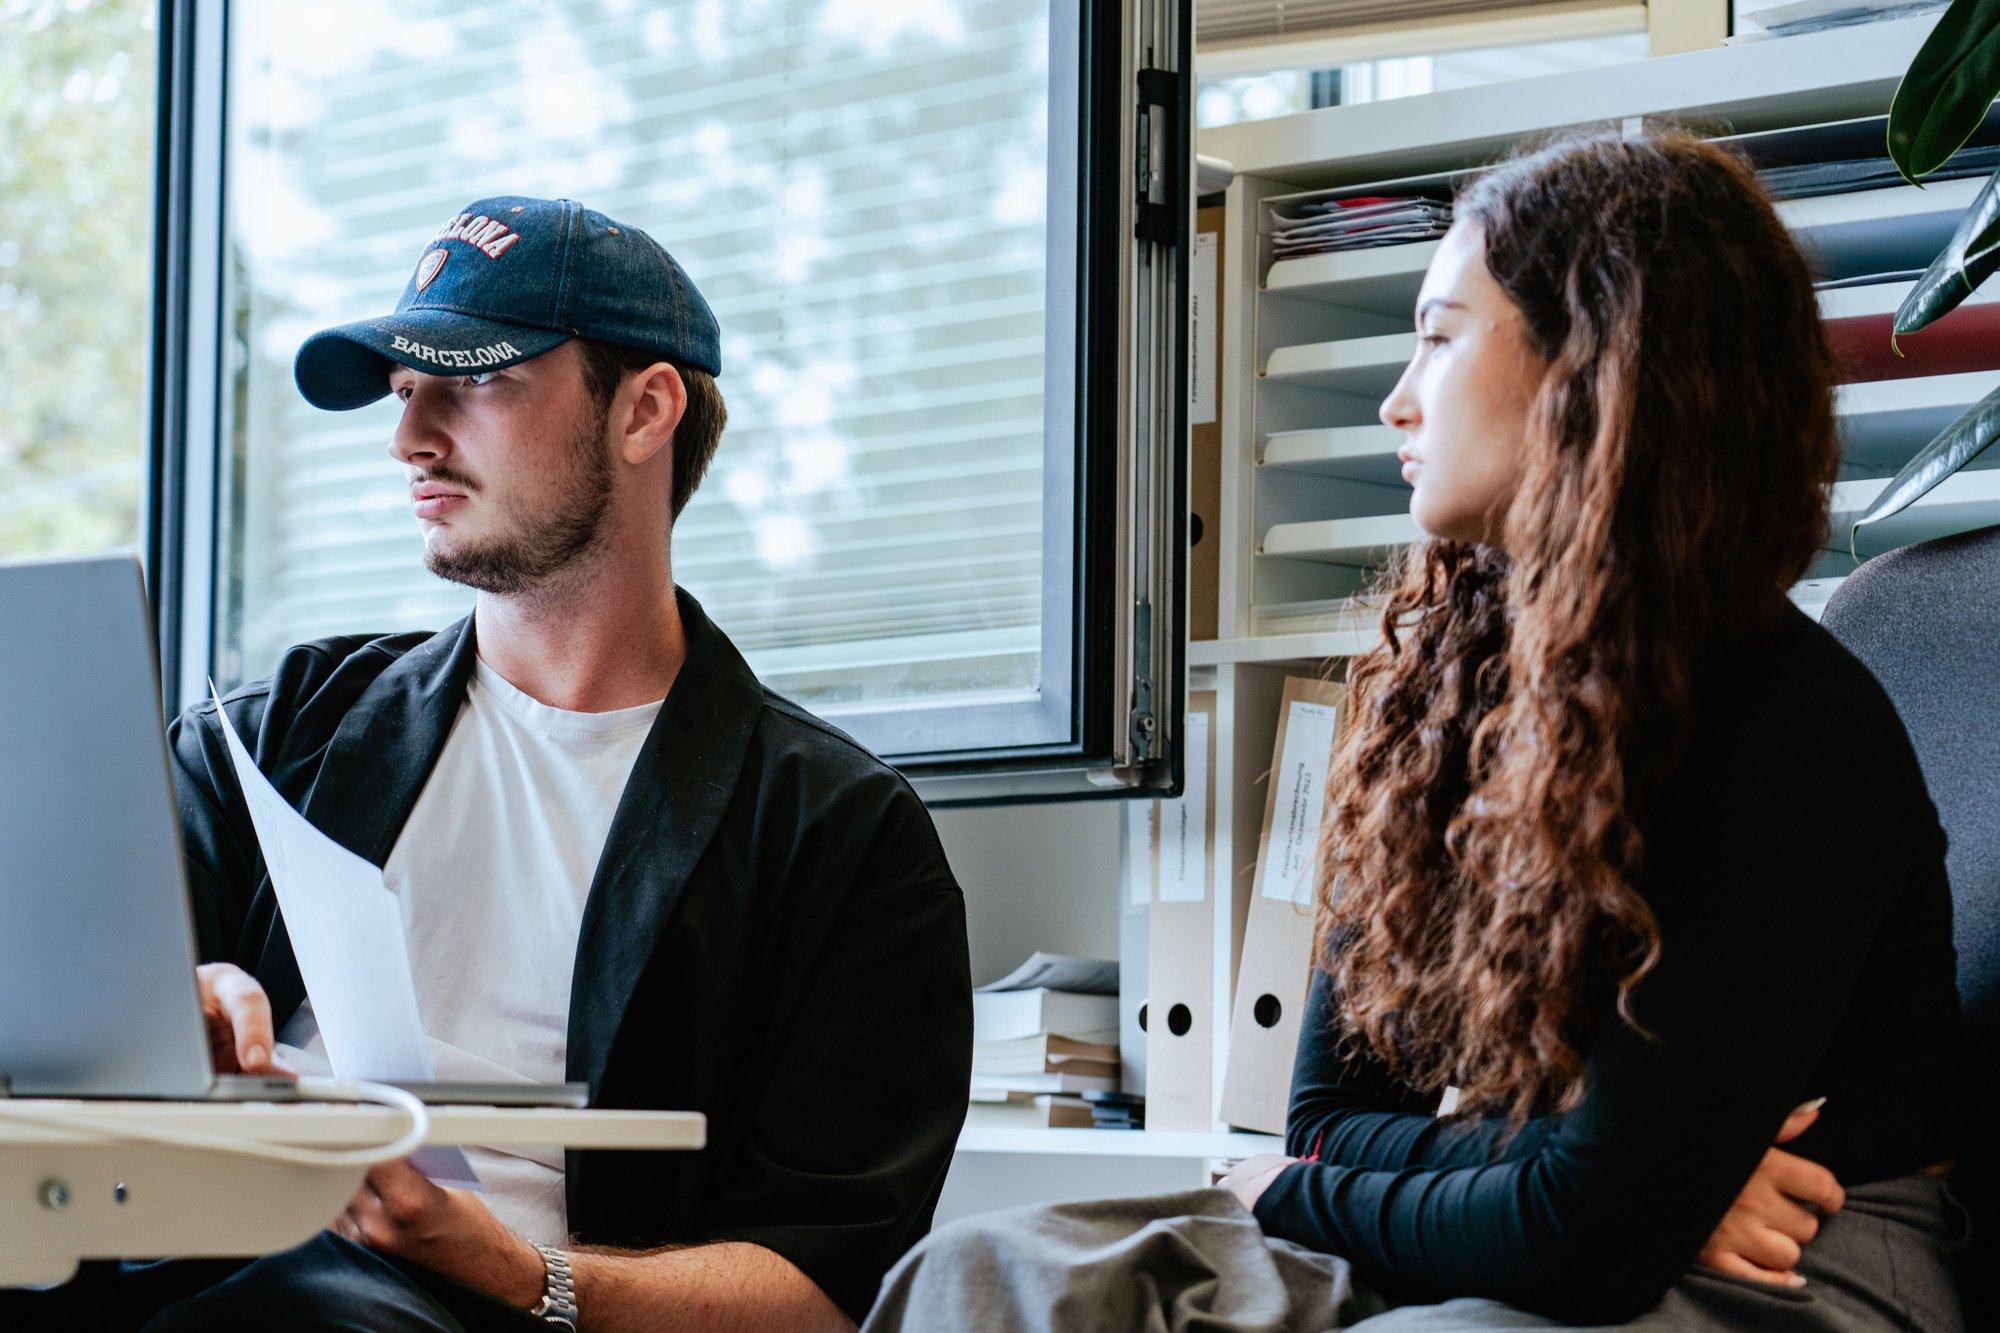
(1036, 877)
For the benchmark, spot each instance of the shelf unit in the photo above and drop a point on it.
(1319, 502)
(1883, 421)
(1380, 280)
(1353, 453)
(1364, 366)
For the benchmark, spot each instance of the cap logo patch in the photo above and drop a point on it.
(463, 358)
(482, 233)
(428, 267)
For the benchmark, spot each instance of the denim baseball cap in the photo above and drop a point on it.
(501, 283)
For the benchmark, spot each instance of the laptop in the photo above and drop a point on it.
(97, 949)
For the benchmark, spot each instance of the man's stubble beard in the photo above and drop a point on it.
(545, 543)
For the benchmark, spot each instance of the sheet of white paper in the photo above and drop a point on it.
(445, 1165)
(1295, 819)
(1184, 825)
(1203, 282)
(346, 930)
(1054, 971)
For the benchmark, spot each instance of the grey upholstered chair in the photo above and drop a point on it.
(1926, 620)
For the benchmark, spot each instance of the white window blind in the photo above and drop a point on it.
(859, 189)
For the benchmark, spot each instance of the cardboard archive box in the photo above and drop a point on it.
(1276, 970)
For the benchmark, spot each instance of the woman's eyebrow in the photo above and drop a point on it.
(1438, 303)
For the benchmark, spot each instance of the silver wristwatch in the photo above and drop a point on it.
(558, 1303)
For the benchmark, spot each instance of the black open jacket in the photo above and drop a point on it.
(772, 938)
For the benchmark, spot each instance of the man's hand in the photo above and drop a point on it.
(238, 1013)
(400, 1211)
(1767, 1228)
(1249, 1178)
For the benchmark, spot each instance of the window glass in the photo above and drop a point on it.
(859, 189)
(76, 181)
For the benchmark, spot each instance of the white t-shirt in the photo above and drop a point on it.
(493, 868)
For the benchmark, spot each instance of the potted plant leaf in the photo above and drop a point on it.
(1941, 101)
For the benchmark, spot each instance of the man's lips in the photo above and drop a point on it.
(434, 500)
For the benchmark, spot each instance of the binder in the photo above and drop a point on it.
(1180, 1037)
(1276, 971)
(1135, 906)
(1205, 425)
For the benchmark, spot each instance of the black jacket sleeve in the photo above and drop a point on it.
(222, 865)
(1767, 915)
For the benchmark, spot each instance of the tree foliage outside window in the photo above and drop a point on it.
(76, 172)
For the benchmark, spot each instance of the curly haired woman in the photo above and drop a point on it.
(1591, 868)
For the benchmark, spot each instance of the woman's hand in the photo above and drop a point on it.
(1249, 1178)
(1769, 1225)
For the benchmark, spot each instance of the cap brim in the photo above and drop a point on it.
(348, 367)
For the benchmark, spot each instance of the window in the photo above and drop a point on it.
(76, 174)
(917, 514)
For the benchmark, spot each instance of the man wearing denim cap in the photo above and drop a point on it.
(620, 859)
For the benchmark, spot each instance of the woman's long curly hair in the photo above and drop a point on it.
(1480, 870)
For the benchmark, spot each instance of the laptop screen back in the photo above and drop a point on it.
(97, 987)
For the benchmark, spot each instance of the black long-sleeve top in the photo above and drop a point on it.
(1796, 868)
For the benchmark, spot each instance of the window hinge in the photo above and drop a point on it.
(1162, 165)
(1142, 728)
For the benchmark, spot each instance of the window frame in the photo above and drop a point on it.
(185, 376)
(1114, 444)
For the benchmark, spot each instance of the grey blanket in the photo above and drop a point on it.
(1198, 1262)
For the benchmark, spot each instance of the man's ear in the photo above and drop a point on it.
(658, 399)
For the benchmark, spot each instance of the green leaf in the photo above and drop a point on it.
(1984, 245)
(1947, 90)
(1958, 444)
(1960, 267)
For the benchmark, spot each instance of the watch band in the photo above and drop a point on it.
(558, 1303)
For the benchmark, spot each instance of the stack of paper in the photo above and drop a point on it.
(1042, 1036)
(1806, 180)
(1044, 1053)
(1005, 1110)
(1756, 20)
(1328, 225)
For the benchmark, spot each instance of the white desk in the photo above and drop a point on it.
(67, 1195)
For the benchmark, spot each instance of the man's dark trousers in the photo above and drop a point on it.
(327, 1285)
